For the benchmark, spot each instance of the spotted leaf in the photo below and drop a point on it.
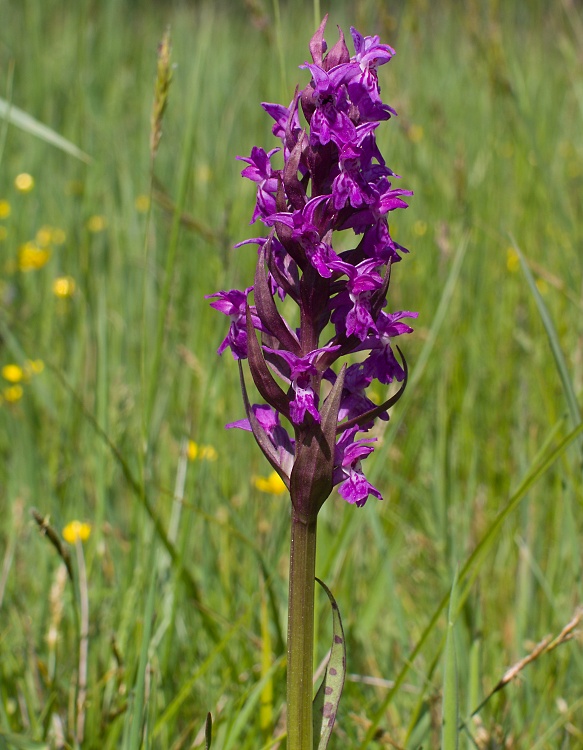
(327, 698)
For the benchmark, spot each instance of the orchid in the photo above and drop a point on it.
(313, 424)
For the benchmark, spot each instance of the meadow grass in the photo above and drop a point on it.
(122, 425)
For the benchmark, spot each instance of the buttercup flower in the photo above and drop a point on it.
(76, 531)
(64, 286)
(12, 373)
(13, 393)
(96, 223)
(31, 257)
(48, 235)
(34, 366)
(142, 203)
(271, 485)
(43, 236)
(24, 182)
(195, 452)
(4, 209)
(512, 260)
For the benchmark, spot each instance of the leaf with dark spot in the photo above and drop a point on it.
(325, 705)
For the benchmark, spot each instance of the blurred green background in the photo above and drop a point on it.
(113, 401)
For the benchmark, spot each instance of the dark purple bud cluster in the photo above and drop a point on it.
(333, 179)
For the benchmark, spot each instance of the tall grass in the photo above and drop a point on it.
(186, 560)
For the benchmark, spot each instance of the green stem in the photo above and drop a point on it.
(300, 634)
(83, 642)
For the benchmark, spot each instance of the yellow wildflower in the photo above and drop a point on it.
(76, 531)
(4, 209)
(34, 366)
(64, 286)
(420, 227)
(43, 236)
(201, 452)
(512, 260)
(273, 484)
(142, 203)
(24, 182)
(3, 233)
(415, 133)
(374, 396)
(203, 173)
(96, 223)
(208, 453)
(12, 373)
(75, 187)
(31, 257)
(13, 393)
(48, 235)
(58, 235)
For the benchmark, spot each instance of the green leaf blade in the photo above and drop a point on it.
(28, 124)
(553, 336)
(325, 706)
(450, 709)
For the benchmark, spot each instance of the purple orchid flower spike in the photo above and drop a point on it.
(314, 425)
(334, 179)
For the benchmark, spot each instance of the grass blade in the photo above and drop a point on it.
(134, 741)
(572, 403)
(241, 723)
(28, 124)
(450, 709)
(479, 551)
(20, 742)
(379, 457)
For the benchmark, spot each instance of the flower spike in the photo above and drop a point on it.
(334, 180)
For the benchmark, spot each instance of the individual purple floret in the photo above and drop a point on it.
(268, 420)
(233, 304)
(354, 486)
(261, 172)
(333, 179)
